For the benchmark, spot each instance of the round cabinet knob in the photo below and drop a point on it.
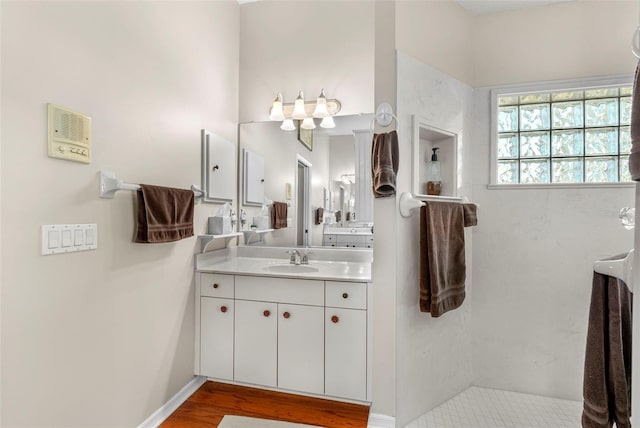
(286, 315)
(335, 319)
(223, 309)
(345, 295)
(215, 285)
(266, 312)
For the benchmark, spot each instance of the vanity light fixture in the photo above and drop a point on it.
(304, 111)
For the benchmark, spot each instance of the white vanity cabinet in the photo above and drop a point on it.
(305, 335)
(216, 325)
(346, 340)
(256, 336)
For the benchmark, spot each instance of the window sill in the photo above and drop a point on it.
(559, 186)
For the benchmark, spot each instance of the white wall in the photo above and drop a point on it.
(287, 46)
(433, 354)
(437, 33)
(533, 249)
(104, 338)
(561, 41)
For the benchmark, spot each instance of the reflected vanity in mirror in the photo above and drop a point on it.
(334, 208)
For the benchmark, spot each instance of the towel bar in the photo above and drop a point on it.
(621, 268)
(109, 185)
(408, 202)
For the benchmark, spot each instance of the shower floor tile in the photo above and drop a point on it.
(478, 407)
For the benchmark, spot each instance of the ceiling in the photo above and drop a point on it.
(483, 7)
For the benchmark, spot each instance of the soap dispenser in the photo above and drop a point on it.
(434, 183)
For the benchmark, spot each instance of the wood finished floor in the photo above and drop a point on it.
(207, 406)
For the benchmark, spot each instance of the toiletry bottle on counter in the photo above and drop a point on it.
(434, 185)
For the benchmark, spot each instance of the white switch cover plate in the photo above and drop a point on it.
(69, 238)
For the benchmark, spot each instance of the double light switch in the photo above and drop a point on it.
(66, 238)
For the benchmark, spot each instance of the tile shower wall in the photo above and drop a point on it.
(433, 354)
(533, 252)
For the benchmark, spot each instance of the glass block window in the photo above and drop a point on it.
(564, 136)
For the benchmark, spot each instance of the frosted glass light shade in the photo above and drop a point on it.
(321, 106)
(276, 112)
(307, 123)
(328, 122)
(288, 125)
(298, 108)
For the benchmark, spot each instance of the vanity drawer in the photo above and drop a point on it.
(281, 290)
(329, 238)
(216, 285)
(352, 295)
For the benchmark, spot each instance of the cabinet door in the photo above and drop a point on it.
(346, 353)
(216, 337)
(301, 348)
(256, 342)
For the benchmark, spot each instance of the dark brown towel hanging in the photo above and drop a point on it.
(607, 365)
(165, 214)
(319, 215)
(384, 164)
(442, 257)
(279, 215)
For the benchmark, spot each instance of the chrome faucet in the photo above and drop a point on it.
(295, 257)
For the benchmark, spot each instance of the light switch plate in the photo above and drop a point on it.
(69, 238)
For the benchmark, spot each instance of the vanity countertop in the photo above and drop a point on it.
(316, 269)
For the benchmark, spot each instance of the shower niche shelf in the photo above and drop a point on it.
(426, 136)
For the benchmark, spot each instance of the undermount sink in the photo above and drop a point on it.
(289, 268)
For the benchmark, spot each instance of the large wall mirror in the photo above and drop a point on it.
(339, 183)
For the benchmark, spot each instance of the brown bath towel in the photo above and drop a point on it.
(442, 257)
(470, 214)
(164, 214)
(607, 365)
(279, 215)
(634, 157)
(319, 215)
(384, 164)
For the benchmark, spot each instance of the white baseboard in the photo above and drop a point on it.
(174, 402)
(376, 420)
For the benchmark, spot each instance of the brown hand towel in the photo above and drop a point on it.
(338, 216)
(384, 164)
(319, 215)
(607, 365)
(634, 157)
(470, 214)
(164, 214)
(442, 257)
(279, 215)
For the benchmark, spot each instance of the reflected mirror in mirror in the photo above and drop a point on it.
(339, 208)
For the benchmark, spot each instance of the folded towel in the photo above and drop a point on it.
(470, 214)
(607, 365)
(279, 215)
(634, 157)
(384, 164)
(164, 214)
(442, 257)
(319, 215)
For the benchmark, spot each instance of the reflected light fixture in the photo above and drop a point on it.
(321, 108)
(288, 125)
(307, 123)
